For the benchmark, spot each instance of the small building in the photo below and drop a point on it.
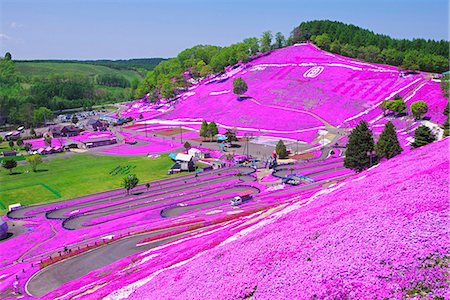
(9, 153)
(3, 229)
(195, 152)
(65, 131)
(97, 125)
(186, 162)
(98, 142)
(183, 162)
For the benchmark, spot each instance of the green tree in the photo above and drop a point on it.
(280, 149)
(11, 144)
(280, 41)
(41, 115)
(212, 129)
(360, 143)
(8, 56)
(384, 106)
(9, 164)
(231, 135)
(419, 109)
(74, 119)
(266, 41)
(130, 182)
(252, 45)
(239, 87)
(446, 110)
(323, 41)
(19, 142)
(34, 160)
(422, 136)
(32, 132)
(204, 129)
(388, 145)
(445, 86)
(446, 127)
(398, 106)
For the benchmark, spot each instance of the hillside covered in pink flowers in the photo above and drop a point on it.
(380, 235)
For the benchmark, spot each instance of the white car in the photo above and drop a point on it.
(236, 201)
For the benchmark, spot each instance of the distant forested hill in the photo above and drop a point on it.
(120, 64)
(356, 42)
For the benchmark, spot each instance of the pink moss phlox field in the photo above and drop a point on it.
(88, 135)
(40, 143)
(354, 250)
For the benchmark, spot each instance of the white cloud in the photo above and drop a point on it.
(15, 25)
(4, 37)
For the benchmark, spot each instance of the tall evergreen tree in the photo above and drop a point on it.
(388, 145)
(280, 149)
(212, 129)
(204, 129)
(423, 136)
(359, 144)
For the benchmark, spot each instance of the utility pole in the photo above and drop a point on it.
(181, 131)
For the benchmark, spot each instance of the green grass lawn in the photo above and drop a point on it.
(77, 175)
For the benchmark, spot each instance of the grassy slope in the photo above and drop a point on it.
(73, 176)
(45, 68)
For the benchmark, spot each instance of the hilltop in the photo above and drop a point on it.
(294, 92)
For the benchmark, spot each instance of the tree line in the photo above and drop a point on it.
(173, 76)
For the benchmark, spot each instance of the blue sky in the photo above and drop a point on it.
(113, 29)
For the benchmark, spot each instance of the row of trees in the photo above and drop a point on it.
(33, 160)
(208, 129)
(174, 75)
(356, 42)
(397, 105)
(362, 152)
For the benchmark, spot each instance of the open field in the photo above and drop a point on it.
(74, 176)
(45, 68)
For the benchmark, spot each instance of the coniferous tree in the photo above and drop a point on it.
(212, 129)
(388, 145)
(280, 149)
(360, 143)
(204, 129)
(423, 136)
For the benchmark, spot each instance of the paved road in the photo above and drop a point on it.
(40, 209)
(67, 270)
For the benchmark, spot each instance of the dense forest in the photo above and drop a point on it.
(174, 75)
(24, 97)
